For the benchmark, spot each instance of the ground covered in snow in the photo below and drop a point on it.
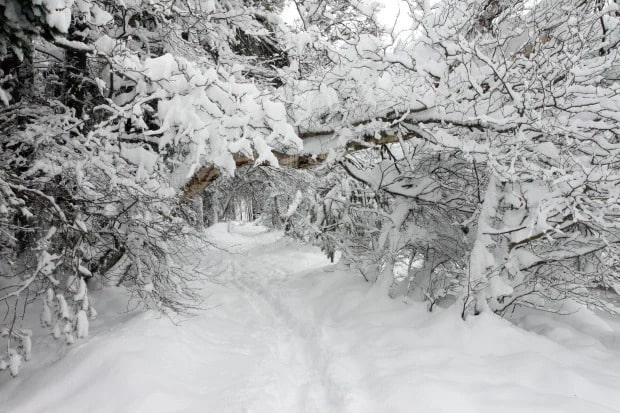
(288, 332)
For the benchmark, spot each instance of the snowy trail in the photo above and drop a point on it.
(246, 354)
(289, 376)
(289, 334)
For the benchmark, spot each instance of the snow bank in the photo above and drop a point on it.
(393, 357)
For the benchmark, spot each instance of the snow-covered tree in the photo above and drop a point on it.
(98, 139)
(503, 117)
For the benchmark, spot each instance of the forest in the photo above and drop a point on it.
(469, 162)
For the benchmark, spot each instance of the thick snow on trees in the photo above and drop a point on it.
(505, 169)
(472, 160)
(108, 110)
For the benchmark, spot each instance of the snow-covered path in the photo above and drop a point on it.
(288, 377)
(247, 353)
(288, 333)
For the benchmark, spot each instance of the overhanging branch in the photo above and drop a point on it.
(208, 174)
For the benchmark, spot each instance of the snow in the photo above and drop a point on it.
(161, 68)
(287, 331)
(15, 361)
(100, 17)
(59, 13)
(105, 44)
(294, 205)
(26, 343)
(139, 156)
(46, 314)
(81, 289)
(5, 97)
(82, 324)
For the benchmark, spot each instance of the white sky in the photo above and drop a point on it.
(389, 15)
